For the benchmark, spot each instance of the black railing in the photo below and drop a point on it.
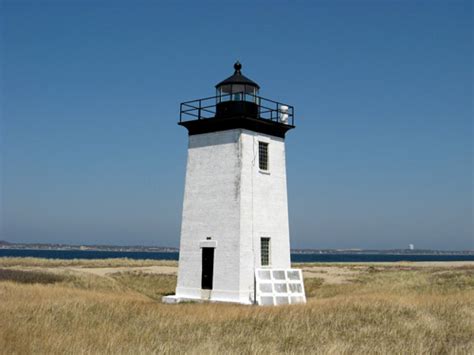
(267, 109)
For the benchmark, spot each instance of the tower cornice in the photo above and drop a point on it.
(218, 124)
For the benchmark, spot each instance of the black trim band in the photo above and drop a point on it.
(259, 125)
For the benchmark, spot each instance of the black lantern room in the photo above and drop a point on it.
(237, 94)
(237, 104)
(237, 84)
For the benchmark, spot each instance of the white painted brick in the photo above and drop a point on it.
(229, 200)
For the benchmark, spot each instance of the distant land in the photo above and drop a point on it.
(154, 249)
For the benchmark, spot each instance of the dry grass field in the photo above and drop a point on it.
(112, 306)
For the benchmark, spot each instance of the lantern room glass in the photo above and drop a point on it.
(237, 92)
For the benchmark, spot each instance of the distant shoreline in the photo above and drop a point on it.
(151, 249)
(332, 257)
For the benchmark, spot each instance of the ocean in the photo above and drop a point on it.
(297, 258)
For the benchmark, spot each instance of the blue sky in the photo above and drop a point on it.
(381, 156)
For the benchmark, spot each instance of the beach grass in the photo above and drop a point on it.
(363, 308)
(87, 263)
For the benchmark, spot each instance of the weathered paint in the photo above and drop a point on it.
(229, 200)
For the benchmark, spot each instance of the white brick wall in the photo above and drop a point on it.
(228, 199)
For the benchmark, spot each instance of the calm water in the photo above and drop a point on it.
(89, 254)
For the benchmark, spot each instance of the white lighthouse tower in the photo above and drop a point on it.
(235, 244)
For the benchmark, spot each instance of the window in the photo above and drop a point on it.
(265, 251)
(263, 156)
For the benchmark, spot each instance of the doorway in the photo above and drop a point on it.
(207, 268)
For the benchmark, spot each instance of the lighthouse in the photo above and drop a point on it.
(235, 242)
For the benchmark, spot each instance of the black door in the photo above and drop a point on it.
(207, 268)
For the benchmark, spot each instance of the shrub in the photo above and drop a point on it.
(29, 277)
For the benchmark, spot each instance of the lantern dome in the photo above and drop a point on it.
(238, 79)
(237, 86)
